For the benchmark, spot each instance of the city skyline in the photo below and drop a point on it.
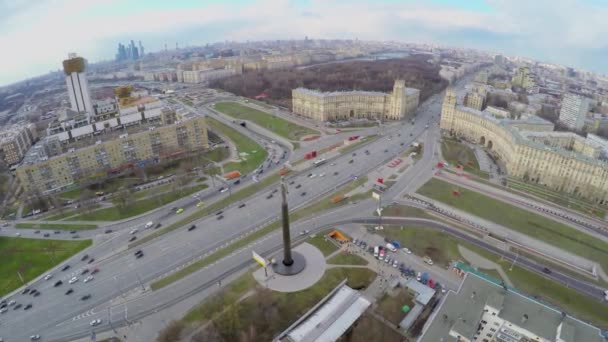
(508, 27)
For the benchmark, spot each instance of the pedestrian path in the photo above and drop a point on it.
(479, 261)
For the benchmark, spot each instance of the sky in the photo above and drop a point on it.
(36, 35)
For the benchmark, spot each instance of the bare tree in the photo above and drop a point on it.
(171, 333)
(86, 200)
(123, 198)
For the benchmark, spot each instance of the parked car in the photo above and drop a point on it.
(242, 205)
(69, 291)
(192, 227)
(65, 268)
(58, 283)
(85, 297)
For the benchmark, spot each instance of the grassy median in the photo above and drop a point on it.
(520, 220)
(282, 127)
(319, 206)
(55, 226)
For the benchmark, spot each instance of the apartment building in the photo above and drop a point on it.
(139, 136)
(347, 105)
(15, 141)
(574, 110)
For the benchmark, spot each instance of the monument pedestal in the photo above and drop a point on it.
(299, 263)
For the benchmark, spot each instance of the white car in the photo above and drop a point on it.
(133, 231)
(73, 280)
(88, 279)
(11, 302)
(395, 263)
(224, 190)
(48, 276)
(17, 234)
(313, 176)
(406, 250)
(3, 310)
(95, 322)
(322, 175)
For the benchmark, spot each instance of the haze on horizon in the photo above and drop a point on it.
(37, 36)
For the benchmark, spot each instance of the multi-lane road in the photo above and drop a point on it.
(119, 294)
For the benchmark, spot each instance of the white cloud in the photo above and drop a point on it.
(36, 36)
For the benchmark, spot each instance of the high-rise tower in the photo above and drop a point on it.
(76, 81)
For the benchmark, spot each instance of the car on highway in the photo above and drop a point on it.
(37, 232)
(17, 234)
(94, 271)
(69, 291)
(303, 193)
(179, 211)
(192, 227)
(298, 186)
(48, 276)
(85, 271)
(220, 217)
(95, 322)
(73, 280)
(27, 307)
(88, 279)
(351, 161)
(3, 310)
(46, 234)
(219, 212)
(336, 173)
(72, 232)
(75, 236)
(292, 182)
(269, 196)
(108, 231)
(546, 270)
(242, 205)
(91, 261)
(200, 204)
(158, 225)
(313, 176)
(133, 231)
(57, 232)
(84, 257)
(58, 283)
(132, 238)
(17, 307)
(65, 268)
(385, 151)
(85, 297)
(35, 337)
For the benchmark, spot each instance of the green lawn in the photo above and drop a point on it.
(250, 152)
(323, 244)
(558, 198)
(284, 128)
(344, 258)
(457, 153)
(137, 207)
(71, 194)
(520, 220)
(31, 258)
(260, 103)
(234, 318)
(389, 306)
(56, 226)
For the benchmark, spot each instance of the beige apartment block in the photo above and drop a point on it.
(347, 105)
(15, 141)
(561, 161)
(112, 153)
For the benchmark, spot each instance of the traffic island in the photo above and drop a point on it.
(313, 267)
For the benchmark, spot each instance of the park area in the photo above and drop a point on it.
(457, 153)
(244, 310)
(520, 220)
(251, 153)
(282, 127)
(26, 259)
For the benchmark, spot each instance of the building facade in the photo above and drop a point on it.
(15, 141)
(347, 105)
(113, 155)
(573, 112)
(530, 151)
(77, 84)
(475, 100)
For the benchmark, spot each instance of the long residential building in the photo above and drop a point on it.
(347, 105)
(532, 151)
(55, 165)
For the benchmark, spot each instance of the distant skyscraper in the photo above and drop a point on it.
(129, 52)
(573, 112)
(76, 81)
(141, 50)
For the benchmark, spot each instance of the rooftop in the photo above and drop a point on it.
(461, 311)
